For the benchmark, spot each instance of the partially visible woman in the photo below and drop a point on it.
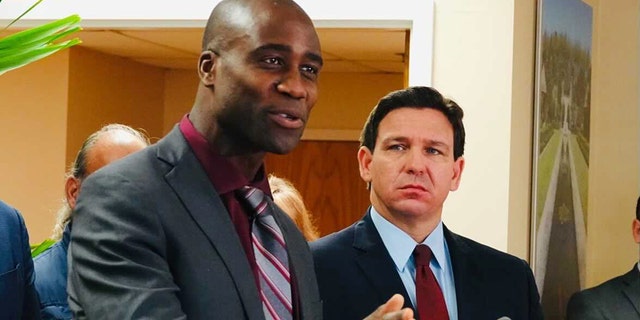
(287, 197)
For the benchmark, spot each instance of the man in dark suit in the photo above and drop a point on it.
(618, 298)
(411, 158)
(171, 231)
(18, 297)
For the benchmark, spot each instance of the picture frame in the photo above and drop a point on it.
(561, 150)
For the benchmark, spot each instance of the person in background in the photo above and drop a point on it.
(618, 298)
(18, 296)
(411, 157)
(102, 147)
(289, 199)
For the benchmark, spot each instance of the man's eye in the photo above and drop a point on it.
(310, 69)
(397, 147)
(433, 151)
(273, 61)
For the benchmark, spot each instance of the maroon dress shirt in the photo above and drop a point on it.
(226, 178)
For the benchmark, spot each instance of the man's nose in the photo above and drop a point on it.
(292, 84)
(415, 162)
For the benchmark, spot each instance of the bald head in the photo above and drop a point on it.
(111, 146)
(233, 18)
(102, 147)
(118, 140)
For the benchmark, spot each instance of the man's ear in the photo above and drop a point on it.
(206, 67)
(458, 166)
(364, 161)
(71, 190)
(635, 227)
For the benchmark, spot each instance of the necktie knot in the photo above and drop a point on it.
(422, 255)
(254, 197)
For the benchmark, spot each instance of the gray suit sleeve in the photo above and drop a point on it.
(580, 307)
(117, 258)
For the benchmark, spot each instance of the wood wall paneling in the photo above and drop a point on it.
(326, 174)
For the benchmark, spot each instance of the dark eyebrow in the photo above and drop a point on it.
(285, 48)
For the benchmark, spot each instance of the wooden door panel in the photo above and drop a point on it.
(326, 174)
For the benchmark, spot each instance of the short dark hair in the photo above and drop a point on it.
(638, 209)
(418, 98)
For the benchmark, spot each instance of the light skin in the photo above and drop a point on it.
(392, 310)
(412, 169)
(258, 84)
(635, 230)
(109, 147)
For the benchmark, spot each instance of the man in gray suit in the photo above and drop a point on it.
(165, 233)
(618, 298)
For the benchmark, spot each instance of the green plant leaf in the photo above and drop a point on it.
(29, 45)
(12, 62)
(41, 247)
(40, 32)
(22, 15)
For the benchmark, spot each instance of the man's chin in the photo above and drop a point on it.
(283, 149)
(414, 208)
(284, 145)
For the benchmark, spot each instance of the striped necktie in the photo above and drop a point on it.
(272, 260)
(431, 304)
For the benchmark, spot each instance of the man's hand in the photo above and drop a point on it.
(391, 310)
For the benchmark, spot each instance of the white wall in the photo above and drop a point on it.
(473, 48)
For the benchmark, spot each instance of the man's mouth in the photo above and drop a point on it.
(287, 120)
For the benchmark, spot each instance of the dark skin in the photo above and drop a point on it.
(259, 78)
(258, 82)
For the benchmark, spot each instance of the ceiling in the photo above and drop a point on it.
(344, 50)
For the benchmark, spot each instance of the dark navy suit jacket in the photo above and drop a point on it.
(51, 279)
(18, 297)
(356, 275)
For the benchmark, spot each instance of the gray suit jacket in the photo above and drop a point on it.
(618, 298)
(152, 239)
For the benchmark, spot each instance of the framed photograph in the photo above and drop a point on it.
(561, 150)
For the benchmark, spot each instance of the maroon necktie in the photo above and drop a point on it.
(431, 305)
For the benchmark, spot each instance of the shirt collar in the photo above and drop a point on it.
(223, 174)
(400, 245)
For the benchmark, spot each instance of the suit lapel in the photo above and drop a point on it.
(191, 184)
(383, 277)
(631, 288)
(465, 275)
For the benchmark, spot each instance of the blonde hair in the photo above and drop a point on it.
(287, 197)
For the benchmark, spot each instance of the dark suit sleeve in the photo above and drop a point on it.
(581, 308)
(535, 311)
(117, 261)
(31, 304)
